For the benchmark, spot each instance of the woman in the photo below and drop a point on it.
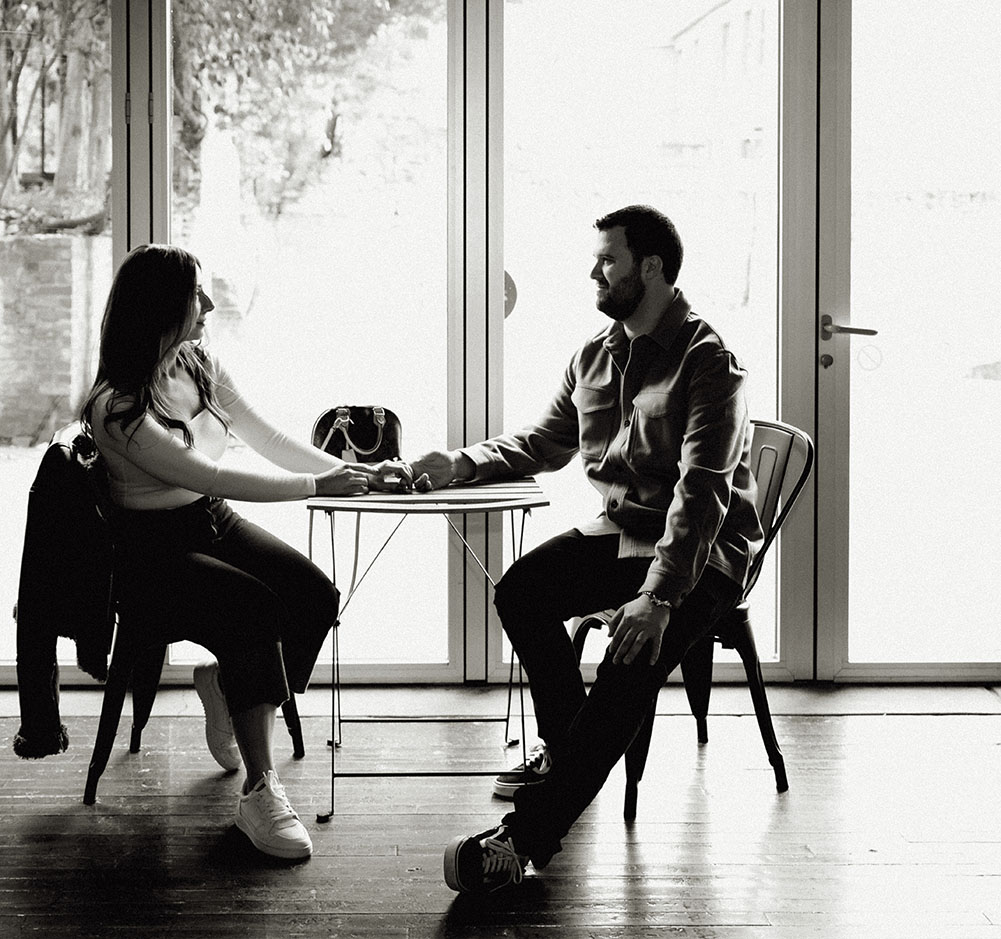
(161, 411)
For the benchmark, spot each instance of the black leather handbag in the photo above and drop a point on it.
(359, 433)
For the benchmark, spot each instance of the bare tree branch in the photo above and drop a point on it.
(43, 72)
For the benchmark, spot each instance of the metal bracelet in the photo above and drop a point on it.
(655, 600)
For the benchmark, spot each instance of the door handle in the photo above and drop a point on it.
(828, 328)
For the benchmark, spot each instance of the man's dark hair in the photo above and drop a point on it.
(648, 233)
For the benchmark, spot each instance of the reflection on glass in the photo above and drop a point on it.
(310, 179)
(926, 392)
(55, 242)
(601, 112)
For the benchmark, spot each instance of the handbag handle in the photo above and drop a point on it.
(342, 420)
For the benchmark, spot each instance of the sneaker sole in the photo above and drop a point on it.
(290, 853)
(506, 790)
(451, 874)
(202, 680)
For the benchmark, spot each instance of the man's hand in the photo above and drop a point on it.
(391, 476)
(441, 467)
(633, 626)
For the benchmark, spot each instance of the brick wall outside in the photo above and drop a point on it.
(52, 293)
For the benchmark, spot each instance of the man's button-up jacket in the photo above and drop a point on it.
(662, 429)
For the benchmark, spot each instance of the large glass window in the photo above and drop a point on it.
(310, 174)
(675, 105)
(310, 179)
(55, 242)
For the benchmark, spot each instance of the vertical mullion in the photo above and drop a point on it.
(140, 142)
(833, 297)
(139, 224)
(120, 129)
(475, 352)
(494, 299)
(476, 378)
(797, 304)
(160, 119)
(456, 342)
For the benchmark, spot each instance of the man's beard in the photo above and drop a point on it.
(622, 300)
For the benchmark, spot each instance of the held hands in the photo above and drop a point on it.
(390, 476)
(634, 625)
(437, 469)
(434, 470)
(355, 479)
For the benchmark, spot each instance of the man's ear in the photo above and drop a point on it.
(652, 266)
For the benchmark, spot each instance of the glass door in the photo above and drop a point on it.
(911, 201)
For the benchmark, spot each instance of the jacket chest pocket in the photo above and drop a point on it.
(654, 431)
(596, 410)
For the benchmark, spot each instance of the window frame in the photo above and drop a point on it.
(797, 313)
(141, 183)
(141, 186)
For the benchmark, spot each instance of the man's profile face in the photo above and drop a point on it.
(616, 275)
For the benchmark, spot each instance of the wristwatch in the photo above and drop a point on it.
(655, 600)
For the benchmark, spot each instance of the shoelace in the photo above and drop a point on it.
(280, 808)
(538, 757)
(500, 856)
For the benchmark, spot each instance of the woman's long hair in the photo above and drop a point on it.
(151, 308)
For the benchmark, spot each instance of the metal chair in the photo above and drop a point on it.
(781, 460)
(135, 659)
(139, 663)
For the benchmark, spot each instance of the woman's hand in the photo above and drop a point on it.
(391, 476)
(343, 480)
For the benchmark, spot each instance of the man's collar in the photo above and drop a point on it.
(671, 321)
(663, 333)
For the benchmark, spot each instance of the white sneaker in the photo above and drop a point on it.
(218, 725)
(267, 818)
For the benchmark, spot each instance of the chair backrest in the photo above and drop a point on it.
(781, 460)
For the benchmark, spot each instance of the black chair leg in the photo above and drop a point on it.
(145, 681)
(636, 762)
(291, 714)
(743, 642)
(697, 672)
(111, 713)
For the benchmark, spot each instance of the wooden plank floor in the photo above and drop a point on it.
(891, 828)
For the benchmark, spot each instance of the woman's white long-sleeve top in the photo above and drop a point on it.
(150, 466)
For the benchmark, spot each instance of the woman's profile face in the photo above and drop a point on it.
(202, 306)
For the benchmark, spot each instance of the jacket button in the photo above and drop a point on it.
(625, 423)
(614, 504)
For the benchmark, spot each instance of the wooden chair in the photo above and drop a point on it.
(781, 460)
(134, 659)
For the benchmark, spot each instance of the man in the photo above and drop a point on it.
(655, 405)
